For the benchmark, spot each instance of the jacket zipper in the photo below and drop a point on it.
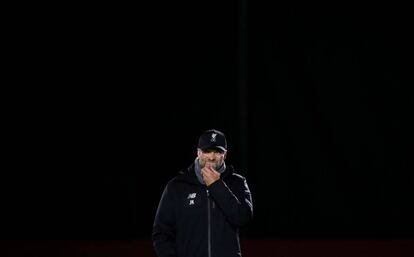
(208, 224)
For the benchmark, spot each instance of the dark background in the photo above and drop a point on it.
(107, 104)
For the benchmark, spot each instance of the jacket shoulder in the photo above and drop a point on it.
(233, 173)
(180, 177)
(173, 181)
(237, 176)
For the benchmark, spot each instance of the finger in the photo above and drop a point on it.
(212, 170)
(205, 173)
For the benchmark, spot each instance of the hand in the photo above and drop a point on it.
(210, 175)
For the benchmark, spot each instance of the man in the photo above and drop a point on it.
(203, 207)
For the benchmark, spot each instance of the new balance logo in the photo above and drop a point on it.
(192, 196)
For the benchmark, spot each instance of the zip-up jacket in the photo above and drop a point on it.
(194, 220)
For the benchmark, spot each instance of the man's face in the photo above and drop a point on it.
(213, 158)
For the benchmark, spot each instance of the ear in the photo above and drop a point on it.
(199, 152)
(225, 155)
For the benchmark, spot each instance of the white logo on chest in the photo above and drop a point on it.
(191, 196)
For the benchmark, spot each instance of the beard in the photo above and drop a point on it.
(215, 165)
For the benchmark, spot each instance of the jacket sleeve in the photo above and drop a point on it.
(164, 229)
(236, 203)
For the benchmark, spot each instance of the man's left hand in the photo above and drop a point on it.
(210, 175)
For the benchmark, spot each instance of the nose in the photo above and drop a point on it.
(211, 156)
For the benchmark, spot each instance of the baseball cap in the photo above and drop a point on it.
(211, 139)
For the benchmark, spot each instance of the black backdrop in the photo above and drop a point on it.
(315, 102)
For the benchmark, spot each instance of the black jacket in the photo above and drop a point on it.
(194, 220)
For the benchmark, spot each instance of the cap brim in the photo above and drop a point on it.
(214, 147)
